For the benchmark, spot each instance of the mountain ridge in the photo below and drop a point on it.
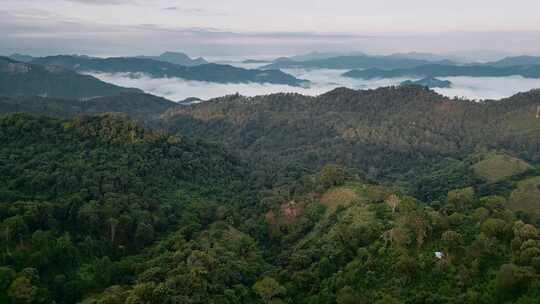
(20, 79)
(207, 72)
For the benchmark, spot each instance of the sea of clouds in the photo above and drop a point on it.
(177, 89)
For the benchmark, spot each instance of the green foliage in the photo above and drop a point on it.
(86, 194)
(99, 210)
(268, 289)
(496, 167)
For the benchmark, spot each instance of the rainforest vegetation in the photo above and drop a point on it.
(395, 195)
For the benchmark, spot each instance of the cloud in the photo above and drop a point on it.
(100, 2)
(488, 87)
(323, 80)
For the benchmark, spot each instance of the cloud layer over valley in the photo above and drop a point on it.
(323, 80)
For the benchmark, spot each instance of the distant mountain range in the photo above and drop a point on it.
(176, 58)
(206, 72)
(349, 62)
(423, 65)
(440, 70)
(516, 61)
(23, 79)
(249, 61)
(21, 57)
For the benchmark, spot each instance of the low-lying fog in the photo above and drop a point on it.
(323, 80)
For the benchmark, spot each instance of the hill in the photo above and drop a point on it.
(23, 79)
(96, 209)
(206, 72)
(390, 133)
(516, 61)
(141, 107)
(80, 198)
(177, 58)
(441, 70)
(21, 57)
(337, 238)
(348, 62)
(429, 82)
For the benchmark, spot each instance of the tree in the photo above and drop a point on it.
(22, 291)
(268, 289)
(332, 175)
(493, 227)
(393, 202)
(12, 227)
(347, 295)
(144, 234)
(451, 239)
(113, 223)
(461, 198)
(512, 278)
(6, 276)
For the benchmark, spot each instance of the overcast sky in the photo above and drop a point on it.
(276, 27)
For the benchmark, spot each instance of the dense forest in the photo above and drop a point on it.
(395, 133)
(394, 195)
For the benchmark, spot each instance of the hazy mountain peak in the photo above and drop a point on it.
(177, 58)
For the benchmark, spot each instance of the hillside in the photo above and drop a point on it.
(22, 79)
(99, 210)
(206, 72)
(516, 61)
(391, 133)
(80, 198)
(177, 58)
(336, 238)
(429, 83)
(442, 70)
(141, 107)
(348, 62)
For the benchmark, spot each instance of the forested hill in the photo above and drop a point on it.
(445, 70)
(142, 107)
(23, 79)
(393, 132)
(96, 209)
(77, 195)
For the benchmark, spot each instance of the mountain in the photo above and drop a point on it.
(349, 62)
(516, 61)
(97, 209)
(21, 57)
(395, 133)
(176, 58)
(322, 55)
(429, 82)
(439, 70)
(255, 61)
(140, 216)
(142, 107)
(23, 79)
(428, 57)
(206, 72)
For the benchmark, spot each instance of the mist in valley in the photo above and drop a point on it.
(177, 89)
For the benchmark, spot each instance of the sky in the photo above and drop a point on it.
(268, 28)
